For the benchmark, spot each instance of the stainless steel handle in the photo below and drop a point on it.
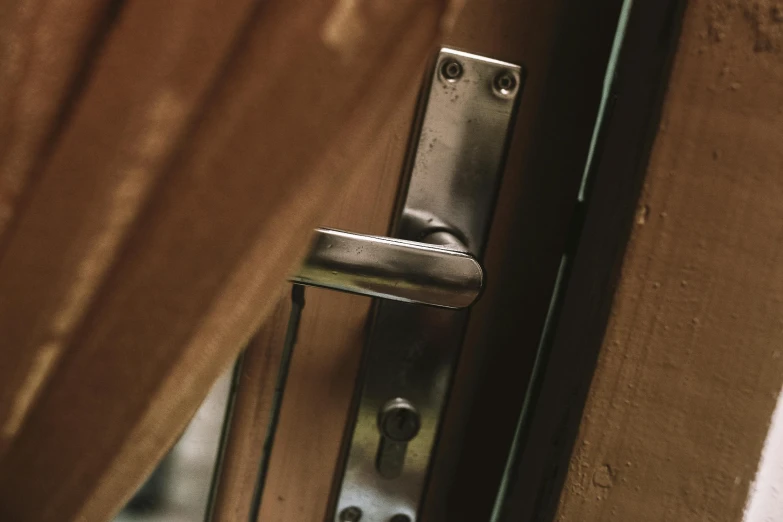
(454, 168)
(394, 269)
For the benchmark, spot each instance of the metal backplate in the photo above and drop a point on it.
(454, 175)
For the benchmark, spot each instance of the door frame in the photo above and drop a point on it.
(548, 426)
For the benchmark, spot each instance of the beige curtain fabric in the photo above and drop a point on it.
(162, 166)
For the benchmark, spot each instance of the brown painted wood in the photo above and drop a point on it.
(325, 360)
(125, 293)
(687, 376)
(329, 344)
(599, 234)
(691, 366)
(249, 421)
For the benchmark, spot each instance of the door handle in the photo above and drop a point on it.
(435, 271)
(444, 213)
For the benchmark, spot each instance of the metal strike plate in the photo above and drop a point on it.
(456, 162)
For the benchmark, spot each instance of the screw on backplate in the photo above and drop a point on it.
(505, 83)
(451, 70)
(351, 514)
(400, 518)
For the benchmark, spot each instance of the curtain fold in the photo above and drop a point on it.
(174, 162)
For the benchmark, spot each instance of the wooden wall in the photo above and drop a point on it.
(692, 361)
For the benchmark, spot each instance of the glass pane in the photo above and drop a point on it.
(177, 491)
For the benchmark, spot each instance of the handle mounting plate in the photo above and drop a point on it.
(455, 166)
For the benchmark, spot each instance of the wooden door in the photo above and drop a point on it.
(564, 47)
(309, 94)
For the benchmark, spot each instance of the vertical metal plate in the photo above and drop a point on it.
(455, 171)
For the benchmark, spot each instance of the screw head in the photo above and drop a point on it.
(505, 84)
(399, 421)
(351, 514)
(451, 70)
(400, 518)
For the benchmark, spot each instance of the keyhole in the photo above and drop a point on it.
(402, 417)
(399, 423)
(398, 420)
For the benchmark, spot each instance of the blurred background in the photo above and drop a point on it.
(177, 491)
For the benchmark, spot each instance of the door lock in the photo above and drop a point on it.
(399, 423)
(468, 108)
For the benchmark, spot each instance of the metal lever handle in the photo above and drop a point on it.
(395, 269)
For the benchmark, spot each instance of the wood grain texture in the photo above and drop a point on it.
(691, 364)
(329, 346)
(325, 361)
(137, 289)
(250, 418)
(599, 232)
